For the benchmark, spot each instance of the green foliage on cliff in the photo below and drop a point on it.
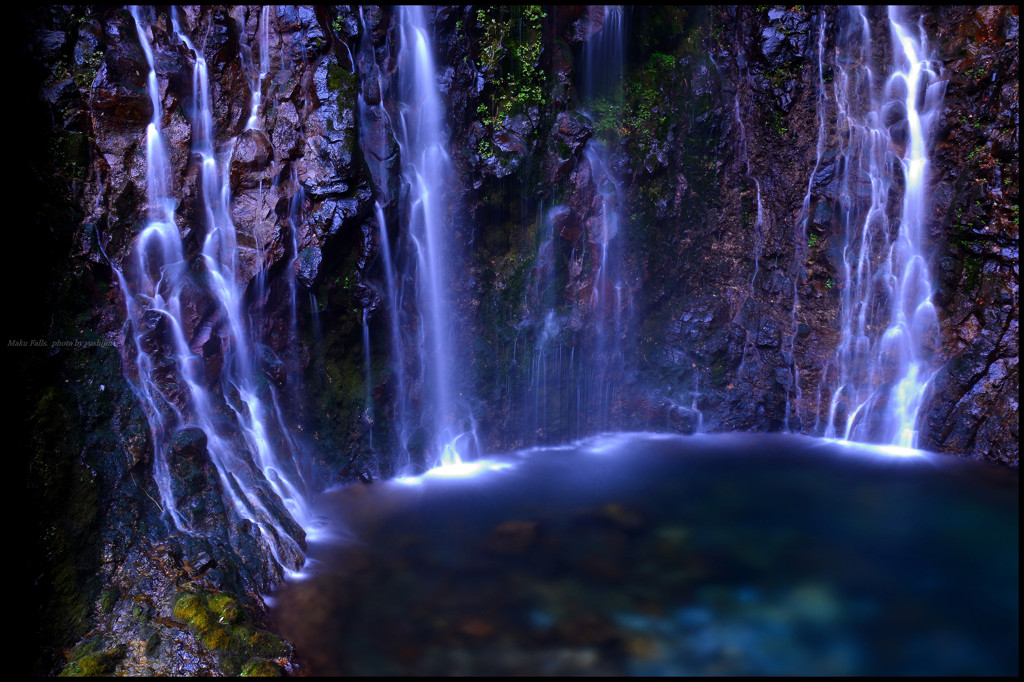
(509, 57)
(648, 102)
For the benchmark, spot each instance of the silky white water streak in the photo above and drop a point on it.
(886, 357)
(427, 169)
(171, 376)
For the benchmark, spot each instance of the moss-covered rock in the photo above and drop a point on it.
(87, 661)
(260, 667)
(225, 607)
(225, 628)
(190, 608)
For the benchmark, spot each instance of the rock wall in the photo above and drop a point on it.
(719, 108)
(975, 409)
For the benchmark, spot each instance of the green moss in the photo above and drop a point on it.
(260, 667)
(224, 606)
(510, 48)
(87, 662)
(776, 123)
(90, 665)
(217, 638)
(607, 119)
(972, 271)
(90, 646)
(108, 598)
(85, 74)
(339, 78)
(223, 627)
(343, 82)
(267, 644)
(190, 608)
(70, 152)
(648, 102)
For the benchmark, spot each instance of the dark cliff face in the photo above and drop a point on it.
(718, 109)
(976, 234)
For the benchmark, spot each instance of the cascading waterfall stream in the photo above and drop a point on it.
(606, 296)
(603, 68)
(256, 77)
(219, 255)
(890, 335)
(271, 494)
(547, 403)
(410, 341)
(570, 391)
(367, 378)
(426, 168)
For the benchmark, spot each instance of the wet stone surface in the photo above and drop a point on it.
(665, 555)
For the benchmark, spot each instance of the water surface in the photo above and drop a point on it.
(646, 554)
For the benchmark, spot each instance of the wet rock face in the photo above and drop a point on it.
(974, 407)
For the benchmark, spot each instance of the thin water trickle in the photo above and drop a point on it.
(604, 66)
(393, 301)
(794, 393)
(759, 229)
(367, 379)
(257, 74)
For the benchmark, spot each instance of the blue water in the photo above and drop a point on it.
(644, 554)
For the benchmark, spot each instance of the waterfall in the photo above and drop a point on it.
(446, 432)
(603, 66)
(567, 391)
(426, 168)
(254, 455)
(886, 356)
(256, 76)
(547, 402)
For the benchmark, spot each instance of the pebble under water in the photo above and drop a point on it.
(645, 554)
